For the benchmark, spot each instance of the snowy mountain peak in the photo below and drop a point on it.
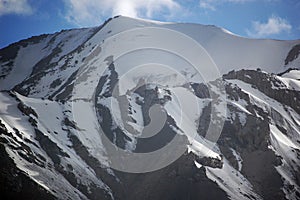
(84, 113)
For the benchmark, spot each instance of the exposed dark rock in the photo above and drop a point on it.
(15, 184)
(55, 83)
(265, 82)
(258, 167)
(180, 180)
(210, 162)
(100, 171)
(70, 123)
(26, 110)
(201, 90)
(51, 148)
(293, 54)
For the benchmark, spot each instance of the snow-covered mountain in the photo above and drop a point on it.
(57, 90)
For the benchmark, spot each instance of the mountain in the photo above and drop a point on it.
(76, 107)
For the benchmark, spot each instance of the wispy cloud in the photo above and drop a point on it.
(208, 5)
(213, 4)
(92, 12)
(275, 25)
(20, 7)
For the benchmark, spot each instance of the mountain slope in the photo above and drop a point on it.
(59, 90)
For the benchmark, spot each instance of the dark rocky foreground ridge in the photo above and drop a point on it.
(46, 153)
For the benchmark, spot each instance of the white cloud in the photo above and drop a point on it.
(21, 7)
(274, 25)
(93, 12)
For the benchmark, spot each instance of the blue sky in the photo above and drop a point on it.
(276, 19)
